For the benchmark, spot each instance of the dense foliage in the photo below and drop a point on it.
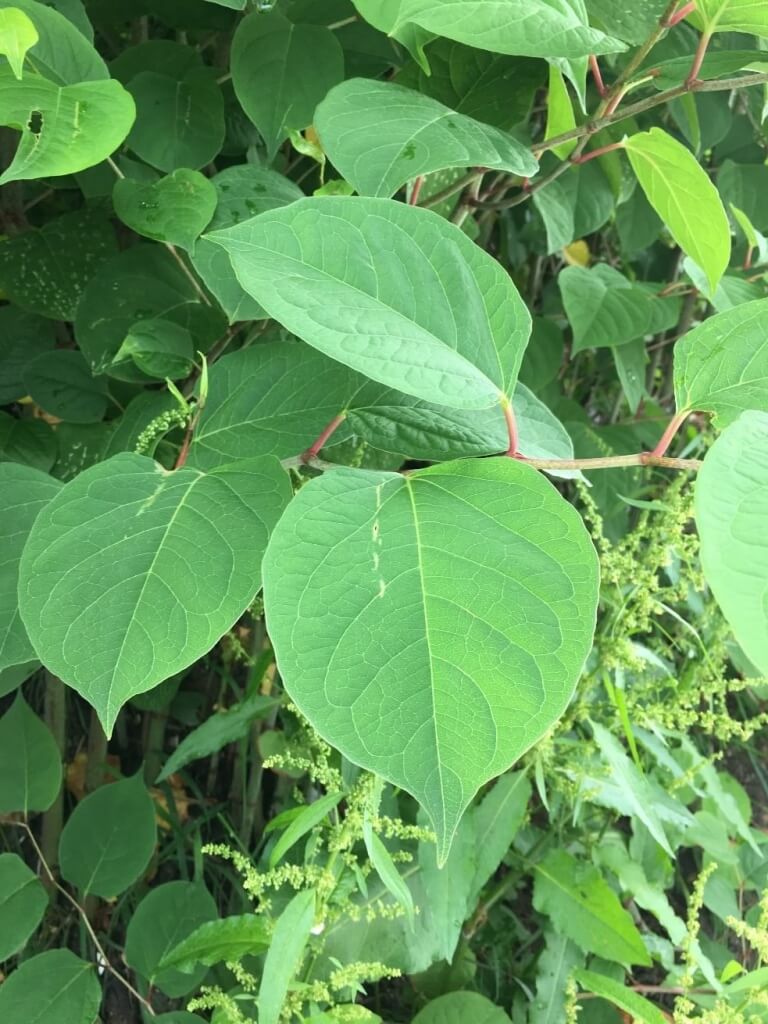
(445, 322)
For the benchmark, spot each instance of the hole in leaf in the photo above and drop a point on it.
(35, 123)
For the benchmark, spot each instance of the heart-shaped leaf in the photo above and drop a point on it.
(393, 602)
(395, 292)
(152, 569)
(174, 209)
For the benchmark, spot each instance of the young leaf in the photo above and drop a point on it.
(304, 822)
(159, 348)
(281, 71)
(55, 987)
(731, 16)
(215, 942)
(62, 384)
(461, 1007)
(581, 905)
(721, 366)
(560, 117)
(379, 135)
(62, 53)
(731, 500)
(22, 904)
(680, 191)
(165, 917)
(419, 552)
(532, 28)
(603, 307)
(156, 565)
(23, 493)
(175, 209)
(641, 1010)
(286, 951)
(30, 763)
(392, 291)
(109, 839)
(17, 35)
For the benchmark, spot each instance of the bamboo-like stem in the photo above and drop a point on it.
(615, 462)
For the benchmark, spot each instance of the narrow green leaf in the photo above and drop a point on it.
(55, 987)
(442, 568)
(731, 501)
(281, 71)
(553, 970)
(386, 870)
(30, 763)
(125, 573)
(581, 905)
(379, 135)
(289, 940)
(680, 191)
(215, 942)
(560, 116)
(532, 28)
(22, 904)
(638, 1007)
(109, 839)
(392, 291)
(304, 822)
(175, 209)
(17, 35)
(459, 1008)
(64, 129)
(630, 361)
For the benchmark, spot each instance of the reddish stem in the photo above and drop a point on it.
(509, 416)
(672, 428)
(314, 449)
(698, 60)
(416, 190)
(594, 153)
(596, 74)
(748, 258)
(677, 17)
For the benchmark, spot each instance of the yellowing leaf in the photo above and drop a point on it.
(577, 254)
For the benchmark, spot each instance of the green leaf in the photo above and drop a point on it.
(166, 917)
(631, 24)
(303, 822)
(721, 366)
(281, 71)
(603, 307)
(175, 209)
(126, 572)
(11, 678)
(61, 383)
(216, 732)
(17, 35)
(459, 1008)
(55, 987)
(22, 337)
(47, 270)
(23, 493)
(23, 901)
(553, 969)
(530, 28)
(731, 16)
(64, 129)
(581, 905)
(560, 116)
(641, 1010)
(243, 192)
(62, 53)
(456, 338)
(164, 139)
(412, 563)
(30, 763)
(731, 499)
(379, 135)
(742, 185)
(159, 348)
(29, 441)
(215, 942)
(385, 868)
(680, 191)
(384, 15)
(285, 954)
(630, 361)
(109, 839)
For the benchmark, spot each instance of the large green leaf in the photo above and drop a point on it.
(731, 505)
(64, 129)
(62, 53)
(731, 16)
(165, 917)
(55, 987)
(395, 292)
(721, 366)
(281, 71)
(174, 209)
(582, 906)
(680, 191)
(640, 1009)
(385, 16)
(108, 839)
(222, 941)
(22, 904)
(152, 569)
(380, 135)
(30, 763)
(603, 307)
(380, 655)
(460, 1008)
(289, 940)
(532, 28)
(23, 493)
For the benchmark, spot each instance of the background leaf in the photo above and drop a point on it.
(175, 209)
(55, 987)
(30, 763)
(22, 904)
(285, 954)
